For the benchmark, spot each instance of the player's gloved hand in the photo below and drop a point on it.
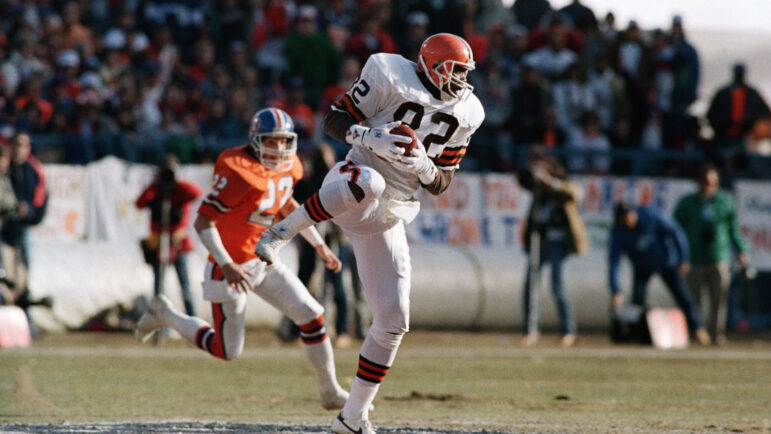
(418, 163)
(378, 140)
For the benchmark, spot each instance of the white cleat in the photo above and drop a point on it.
(152, 319)
(347, 426)
(270, 243)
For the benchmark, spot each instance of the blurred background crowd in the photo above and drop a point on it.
(140, 78)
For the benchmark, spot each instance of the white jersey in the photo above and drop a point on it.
(390, 89)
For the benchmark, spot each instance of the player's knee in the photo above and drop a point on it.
(306, 314)
(389, 336)
(388, 330)
(372, 183)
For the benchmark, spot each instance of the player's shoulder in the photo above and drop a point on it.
(471, 110)
(241, 163)
(389, 66)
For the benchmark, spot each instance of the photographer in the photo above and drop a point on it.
(711, 227)
(554, 229)
(169, 242)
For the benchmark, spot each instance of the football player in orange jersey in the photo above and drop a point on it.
(252, 187)
(371, 194)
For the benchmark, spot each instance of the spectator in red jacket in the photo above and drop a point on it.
(169, 199)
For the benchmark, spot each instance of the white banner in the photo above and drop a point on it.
(753, 206)
(490, 210)
(66, 212)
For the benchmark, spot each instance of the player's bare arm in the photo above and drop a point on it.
(331, 261)
(234, 274)
(337, 123)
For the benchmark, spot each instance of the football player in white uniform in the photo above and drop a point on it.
(370, 194)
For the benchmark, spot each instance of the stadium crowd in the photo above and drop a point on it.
(140, 78)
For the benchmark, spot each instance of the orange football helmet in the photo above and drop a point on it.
(438, 57)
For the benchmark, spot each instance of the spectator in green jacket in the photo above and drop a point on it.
(311, 55)
(709, 220)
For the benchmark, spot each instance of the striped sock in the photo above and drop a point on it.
(371, 371)
(315, 209)
(314, 331)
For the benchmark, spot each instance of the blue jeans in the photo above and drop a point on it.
(553, 253)
(677, 287)
(180, 265)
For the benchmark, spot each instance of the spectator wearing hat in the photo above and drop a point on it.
(734, 110)
(311, 55)
(654, 244)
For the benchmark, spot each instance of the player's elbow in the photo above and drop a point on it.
(202, 222)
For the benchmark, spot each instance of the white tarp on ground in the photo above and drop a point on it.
(467, 257)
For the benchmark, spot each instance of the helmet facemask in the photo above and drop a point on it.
(448, 82)
(272, 154)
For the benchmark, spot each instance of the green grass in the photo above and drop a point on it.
(440, 380)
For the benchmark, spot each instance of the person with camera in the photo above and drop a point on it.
(554, 229)
(712, 228)
(169, 199)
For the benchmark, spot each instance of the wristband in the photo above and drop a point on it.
(210, 238)
(312, 236)
(355, 135)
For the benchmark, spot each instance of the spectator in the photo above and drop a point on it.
(530, 100)
(654, 243)
(8, 209)
(169, 199)
(580, 16)
(572, 96)
(712, 228)
(32, 95)
(311, 55)
(554, 229)
(29, 187)
(417, 31)
(588, 139)
(350, 70)
(75, 35)
(303, 115)
(734, 110)
(494, 92)
(685, 67)
(555, 58)
(608, 90)
(529, 12)
(370, 38)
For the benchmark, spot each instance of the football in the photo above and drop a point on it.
(405, 130)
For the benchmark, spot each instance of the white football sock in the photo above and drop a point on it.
(187, 326)
(321, 357)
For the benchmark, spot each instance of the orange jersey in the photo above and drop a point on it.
(244, 199)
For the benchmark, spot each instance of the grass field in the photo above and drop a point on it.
(441, 382)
